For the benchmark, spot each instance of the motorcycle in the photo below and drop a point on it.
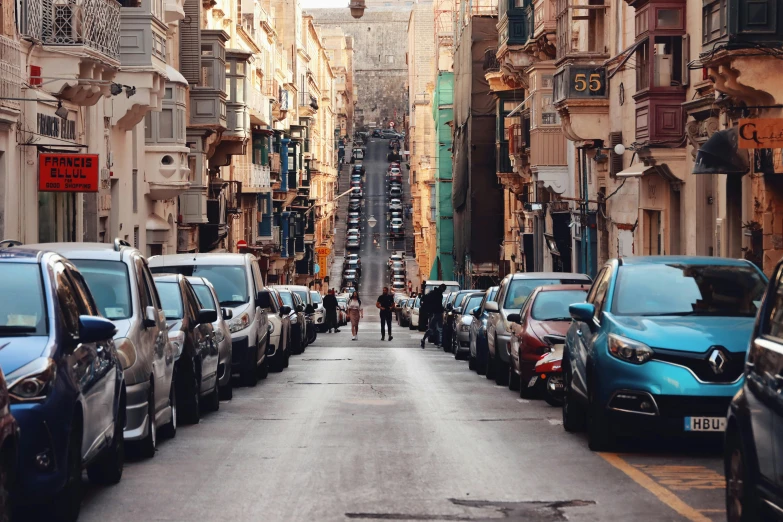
(548, 377)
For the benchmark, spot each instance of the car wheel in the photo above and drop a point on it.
(551, 395)
(148, 445)
(599, 427)
(573, 413)
(169, 430)
(513, 379)
(500, 370)
(489, 373)
(471, 362)
(213, 399)
(108, 468)
(67, 502)
(249, 373)
(227, 391)
(263, 370)
(741, 498)
(189, 394)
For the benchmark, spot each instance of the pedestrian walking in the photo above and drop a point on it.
(355, 312)
(432, 304)
(330, 305)
(385, 304)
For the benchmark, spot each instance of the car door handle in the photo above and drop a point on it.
(579, 333)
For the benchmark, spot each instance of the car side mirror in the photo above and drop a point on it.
(227, 314)
(263, 299)
(94, 329)
(582, 312)
(491, 306)
(476, 312)
(515, 318)
(285, 310)
(150, 317)
(207, 316)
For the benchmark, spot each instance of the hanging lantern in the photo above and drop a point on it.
(357, 8)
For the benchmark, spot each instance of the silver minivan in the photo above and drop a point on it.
(121, 283)
(237, 281)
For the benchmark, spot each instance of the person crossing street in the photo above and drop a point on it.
(385, 304)
(432, 305)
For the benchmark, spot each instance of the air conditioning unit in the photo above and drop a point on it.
(663, 70)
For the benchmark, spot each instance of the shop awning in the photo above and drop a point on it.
(721, 155)
(636, 170)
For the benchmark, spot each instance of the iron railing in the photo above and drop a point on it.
(491, 63)
(255, 178)
(10, 72)
(91, 23)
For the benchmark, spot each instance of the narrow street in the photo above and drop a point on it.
(387, 431)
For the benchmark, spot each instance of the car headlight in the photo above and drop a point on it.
(271, 327)
(177, 340)
(629, 350)
(126, 352)
(33, 381)
(219, 335)
(239, 323)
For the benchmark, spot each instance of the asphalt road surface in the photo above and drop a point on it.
(372, 430)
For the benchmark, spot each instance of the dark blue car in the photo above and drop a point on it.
(479, 350)
(64, 380)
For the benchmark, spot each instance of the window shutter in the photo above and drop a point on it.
(615, 160)
(190, 42)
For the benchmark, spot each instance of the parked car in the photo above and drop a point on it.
(753, 442)
(279, 316)
(395, 204)
(479, 351)
(376, 133)
(296, 318)
(354, 204)
(513, 291)
(398, 266)
(319, 314)
(309, 310)
(394, 143)
(121, 284)
(428, 286)
(195, 342)
(404, 317)
(395, 191)
(353, 243)
(462, 321)
(452, 314)
(388, 134)
(9, 449)
(414, 322)
(540, 325)
(354, 223)
(65, 382)
(237, 281)
(208, 299)
(633, 363)
(342, 310)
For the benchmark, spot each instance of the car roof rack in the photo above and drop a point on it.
(8, 243)
(119, 243)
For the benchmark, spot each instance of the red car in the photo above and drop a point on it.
(541, 324)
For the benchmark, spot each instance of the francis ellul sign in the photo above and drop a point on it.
(68, 173)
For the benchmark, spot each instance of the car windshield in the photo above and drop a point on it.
(717, 290)
(519, 290)
(230, 282)
(170, 299)
(287, 299)
(303, 295)
(110, 286)
(204, 297)
(25, 313)
(553, 306)
(473, 302)
(449, 288)
(316, 297)
(458, 300)
(417, 302)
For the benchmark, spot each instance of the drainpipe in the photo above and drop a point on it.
(284, 163)
(585, 227)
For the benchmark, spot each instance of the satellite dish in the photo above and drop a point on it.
(371, 222)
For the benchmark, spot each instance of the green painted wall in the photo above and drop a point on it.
(443, 113)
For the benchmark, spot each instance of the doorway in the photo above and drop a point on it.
(652, 233)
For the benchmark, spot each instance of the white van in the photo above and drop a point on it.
(237, 281)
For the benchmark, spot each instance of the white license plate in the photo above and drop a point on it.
(705, 423)
(532, 381)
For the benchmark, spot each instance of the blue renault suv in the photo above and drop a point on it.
(65, 382)
(659, 346)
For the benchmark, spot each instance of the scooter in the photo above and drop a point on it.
(548, 377)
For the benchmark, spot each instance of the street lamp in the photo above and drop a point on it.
(371, 222)
(357, 8)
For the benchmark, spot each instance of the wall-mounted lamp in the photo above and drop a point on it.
(357, 8)
(61, 111)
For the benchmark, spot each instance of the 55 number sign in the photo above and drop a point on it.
(587, 82)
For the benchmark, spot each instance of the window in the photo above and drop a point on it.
(109, 283)
(204, 295)
(553, 306)
(170, 299)
(668, 18)
(67, 298)
(549, 115)
(166, 120)
(774, 313)
(26, 313)
(230, 282)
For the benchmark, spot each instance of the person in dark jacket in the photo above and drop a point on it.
(330, 305)
(432, 305)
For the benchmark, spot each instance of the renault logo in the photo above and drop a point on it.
(717, 361)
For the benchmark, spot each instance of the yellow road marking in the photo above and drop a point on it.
(679, 477)
(663, 494)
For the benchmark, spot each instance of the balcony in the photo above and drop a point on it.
(737, 36)
(143, 59)
(544, 27)
(581, 98)
(308, 105)
(512, 24)
(237, 112)
(10, 78)
(259, 106)
(256, 179)
(80, 41)
(174, 11)
(208, 98)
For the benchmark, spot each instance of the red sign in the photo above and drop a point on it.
(241, 243)
(68, 172)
